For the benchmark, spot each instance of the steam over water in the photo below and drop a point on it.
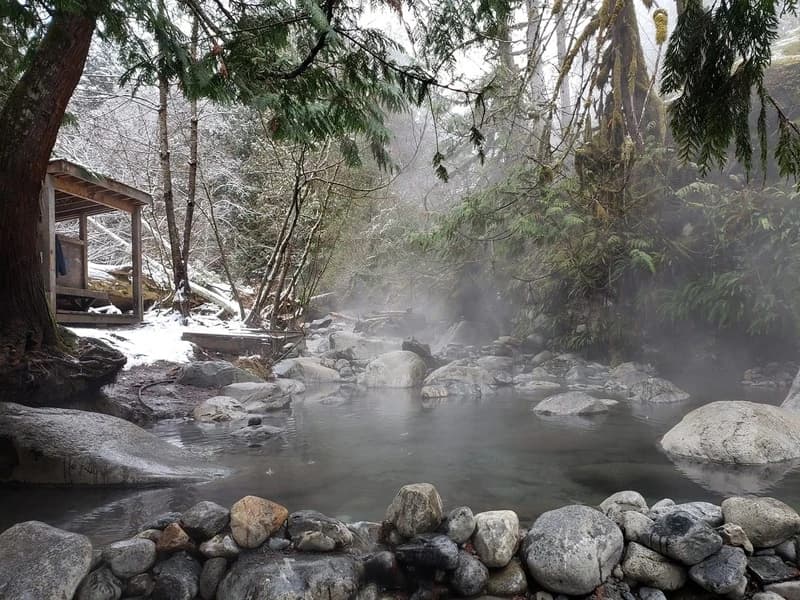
(348, 458)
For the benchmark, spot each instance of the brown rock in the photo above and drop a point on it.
(254, 519)
(174, 539)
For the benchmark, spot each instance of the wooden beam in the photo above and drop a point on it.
(81, 189)
(64, 167)
(136, 261)
(47, 239)
(68, 317)
(83, 227)
(76, 213)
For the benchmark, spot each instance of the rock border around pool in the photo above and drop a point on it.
(257, 550)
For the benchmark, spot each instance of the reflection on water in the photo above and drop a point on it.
(347, 457)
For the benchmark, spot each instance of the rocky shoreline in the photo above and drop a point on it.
(623, 549)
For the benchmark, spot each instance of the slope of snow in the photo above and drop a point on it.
(157, 338)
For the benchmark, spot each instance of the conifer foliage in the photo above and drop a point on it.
(715, 63)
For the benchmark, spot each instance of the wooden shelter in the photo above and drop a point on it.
(72, 192)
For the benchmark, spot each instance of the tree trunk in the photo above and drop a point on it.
(180, 301)
(29, 124)
(191, 186)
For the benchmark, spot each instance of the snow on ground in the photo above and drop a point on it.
(157, 338)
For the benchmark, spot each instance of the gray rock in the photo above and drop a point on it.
(617, 503)
(307, 370)
(635, 526)
(788, 550)
(139, 585)
(397, 369)
(177, 578)
(508, 581)
(130, 557)
(162, 520)
(251, 391)
(766, 596)
(315, 532)
(682, 537)
(460, 524)
(360, 347)
(496, 536)
(651, 569)
(470, 575)
(496, 363)
(219, 409)
(790, 590)
(458, 378)
(736, 432)
(771, 569)
(570, 404)
(257, 433)
(383, 569)
(648, 593)
(305, 577)
(572, 550)
(429, 551)
(417, 508)
(733, 535)
(40, 561)
(98, 585)
(366, 536)
(721, 573)
(213, 374)
(278, 544)
(709, 513)
(655, 390)
(41, 447)
(663, 503)
(766, 521)
(205, 519)
(213, 571)
(221, 545)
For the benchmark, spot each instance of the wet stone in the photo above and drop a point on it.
(470, 575)
(683, 537)
(205, 519)
(100, 585)
(140, 585)
(130, 557)
(383, 569)
(161, 521)
(771, 569)
(177, 578)
(431, 551)
(460, 524)
(221, 545)
(722, 573)
(212, 573)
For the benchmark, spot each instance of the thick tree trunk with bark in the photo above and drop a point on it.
(36, 362)
(29, 124)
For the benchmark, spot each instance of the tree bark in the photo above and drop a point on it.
(180, 301)
(29, 124)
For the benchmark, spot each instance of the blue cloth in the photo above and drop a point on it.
(61, 263)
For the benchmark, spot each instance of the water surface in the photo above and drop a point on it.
(347, 458)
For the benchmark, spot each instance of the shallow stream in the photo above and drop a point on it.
(348, 458)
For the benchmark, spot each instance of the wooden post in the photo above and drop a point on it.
(83, 225)
(136, 261)
(47, 239)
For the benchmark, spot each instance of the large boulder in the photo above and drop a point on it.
(213, 374)
(736, 432)
(253, 391)
(458, 379)
(397, 369)
(40, 561)
(361, 347)
(572, 550)
(219, 409)
(63, 446)
(417, 508)
(766, 521)
(571, 404)
(307, 370)
(261, 575)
